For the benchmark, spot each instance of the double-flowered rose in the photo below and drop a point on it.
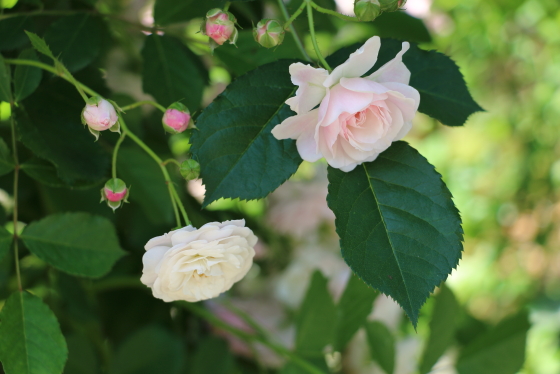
(357, 117)
(198, 264)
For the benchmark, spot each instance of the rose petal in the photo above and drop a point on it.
(293, 127)
(363, 85)
(394, 70)
(307, 145)
(357, 64)
(311, 90)
(341, 100)
(410, 101)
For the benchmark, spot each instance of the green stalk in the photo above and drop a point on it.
(333, 13)
(293, 30)
(16, 184)
(115, 152)
(295, 15)
(144, 102)
(313, 37)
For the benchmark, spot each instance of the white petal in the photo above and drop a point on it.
(307, 146)
(410, 101)
(311, 90)
(293, 127)
(363, 85)
(394, 70)
(358, 63)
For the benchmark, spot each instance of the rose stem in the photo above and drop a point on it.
(313, 37)
(293, 29)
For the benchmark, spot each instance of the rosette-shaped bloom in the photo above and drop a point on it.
(357, 118)
(198, 264)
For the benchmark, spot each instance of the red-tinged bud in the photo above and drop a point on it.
(177, 118)
(269, 33)
(220, 27)
(115, 193)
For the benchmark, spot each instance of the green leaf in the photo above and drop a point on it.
(5, 86)
(148, 351)
(171, 11)
(45, 173)
(12, 31)
(443, 325)
(381, 345)
(316, 321)
(77, 243)
(443, 92)
(30, 337)
(52, 129)
(75, 39)
(82, 358)
(501, 350)
(148, 187)
(248, 55)
(39, 44)
(205, 362)
(399, 229)
(239, 157)
(400, 25)
(6, 160)
(353, 308)
(172, 72)
(26, 78)
(6, 239)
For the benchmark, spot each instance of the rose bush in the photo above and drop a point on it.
(198, 264)
(357, 118)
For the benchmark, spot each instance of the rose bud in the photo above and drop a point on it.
(269, 33)
(100, 115)
(220, 27)
(367, 10)
(391, 5)
(114, 193)
(190, 169)
(197, 264)
(176, 118)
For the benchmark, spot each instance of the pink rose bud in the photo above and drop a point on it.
(269, 33)
(367, 10)
(177, 118)
(114, 193)
(220, 27)
(99, 115)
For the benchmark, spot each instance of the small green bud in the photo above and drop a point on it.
(391, 5)
(367, 10)
(190, 169)
(269, 33)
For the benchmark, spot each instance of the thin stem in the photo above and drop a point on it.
(333, 13)
(16, 181)
(295, 15)
(249, 338)
(54, 71)
(226, 7)
(181, 207)
(313, 37)
(144, 102)
(171, 160)
(174, 202)
(293, 31)
(115, 152)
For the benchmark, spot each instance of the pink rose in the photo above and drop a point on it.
(358, 118)
(99, 114)
(176, 118)
(220, 26)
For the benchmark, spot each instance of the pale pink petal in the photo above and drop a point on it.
(311, 90)
(394, 70)
(341, 100)
(408, 102)
(307, 146)
(407, 125)
(363, 85)
(293, 127)
(396, 123)
(358, 63)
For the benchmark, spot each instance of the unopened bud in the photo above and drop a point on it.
(99, 115)
(190, 169)
(176, 118)
(269, 33)
(367, 10)
(115, 193)
(391, 5)
(219, 26)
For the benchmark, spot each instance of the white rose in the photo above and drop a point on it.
(193, 265)
(357, 118)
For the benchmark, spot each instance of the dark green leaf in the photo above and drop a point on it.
(399, 229)
(26, 78)
(39, 44)
(316, 322)
(75, 40)
(443, 325)
(443, 92)
(30, 337)
(171, 11)
(500, 350)
(381, 345)
(149, 351)
(400, 25)
(52, 129)
(147, 185)
(239, 157)
(5, 86)
(353, 308)
(6, 160)
(212, 356)
(5, 242)
(45, 173)
(82, 358)
(248, 55)
(172, 72)
(76, 243)
(12, 31)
